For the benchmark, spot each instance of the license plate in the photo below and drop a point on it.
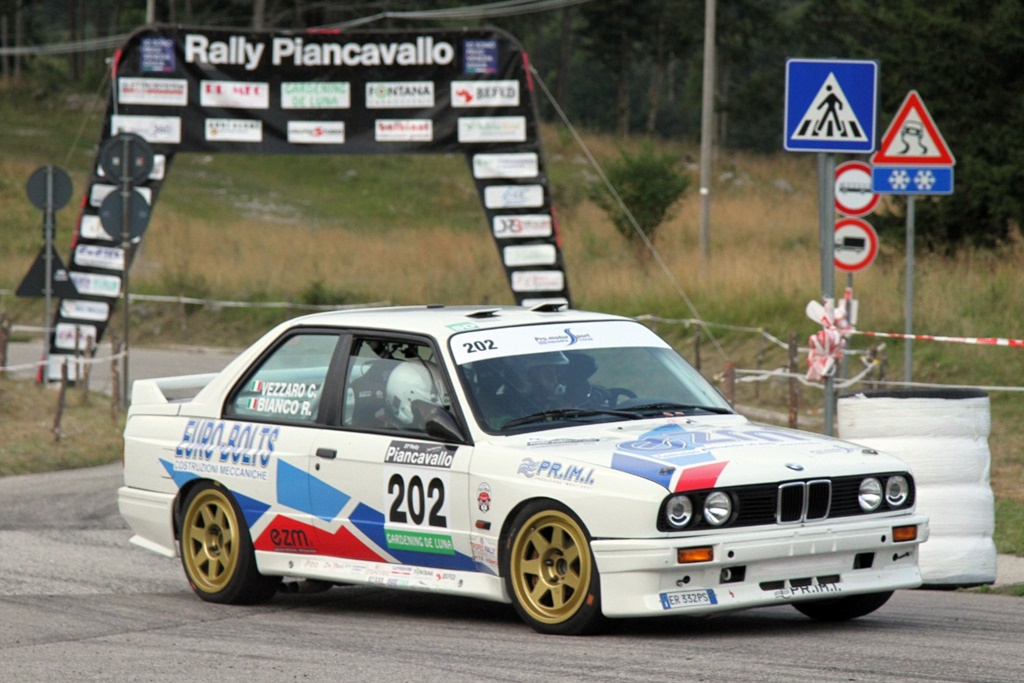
(683, 599)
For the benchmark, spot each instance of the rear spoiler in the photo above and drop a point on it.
(168, 389)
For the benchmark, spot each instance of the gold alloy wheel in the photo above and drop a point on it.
(550, 567)
(210, 541)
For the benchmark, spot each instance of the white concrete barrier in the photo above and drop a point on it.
(943, 435)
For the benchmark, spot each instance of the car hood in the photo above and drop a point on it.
(692, 453)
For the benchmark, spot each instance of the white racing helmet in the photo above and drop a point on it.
(413, 382)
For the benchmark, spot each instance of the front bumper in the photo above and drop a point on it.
(757, 568)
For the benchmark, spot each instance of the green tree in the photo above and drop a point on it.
(649, 183)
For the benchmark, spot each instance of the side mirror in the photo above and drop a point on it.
(441, 425)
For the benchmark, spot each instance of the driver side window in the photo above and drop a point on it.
(392, 386)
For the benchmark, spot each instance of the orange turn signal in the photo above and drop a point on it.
(691, 555)
(901, 534)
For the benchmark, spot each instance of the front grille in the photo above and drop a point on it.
(801, 501)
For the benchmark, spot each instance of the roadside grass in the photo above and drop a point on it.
(346, 230)
(90, 433)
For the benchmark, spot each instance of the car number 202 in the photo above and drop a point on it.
(417, 499)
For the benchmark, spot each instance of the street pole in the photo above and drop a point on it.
(826, 240)
(908, 306)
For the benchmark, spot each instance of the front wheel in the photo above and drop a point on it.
(217, 552)
(550, 572)
(843, 609)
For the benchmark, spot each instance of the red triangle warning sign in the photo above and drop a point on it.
(912, 138)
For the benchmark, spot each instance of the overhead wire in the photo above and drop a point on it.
(673, 281)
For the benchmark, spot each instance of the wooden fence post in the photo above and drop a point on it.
(61, 393)
(5, 337)
(115, 377)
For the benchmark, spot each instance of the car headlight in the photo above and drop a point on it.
(679, 511)
(717, 508)
(897, 490)
(870, 494)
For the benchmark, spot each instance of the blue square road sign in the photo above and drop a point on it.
(831, 105)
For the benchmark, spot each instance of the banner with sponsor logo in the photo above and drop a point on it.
(328, 92)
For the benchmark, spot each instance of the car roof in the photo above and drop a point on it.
(441, 321)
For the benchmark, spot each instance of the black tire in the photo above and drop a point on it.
(843, 609)
(550, 573)
(217, 552)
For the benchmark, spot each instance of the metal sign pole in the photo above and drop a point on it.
(826, 231)
(908, 307)
(126, 244)
(48, 223)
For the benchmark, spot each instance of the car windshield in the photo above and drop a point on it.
(539, 377)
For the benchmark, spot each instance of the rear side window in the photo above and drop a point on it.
(288, 384)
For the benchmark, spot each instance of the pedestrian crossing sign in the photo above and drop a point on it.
(913, 139)
(830, 105)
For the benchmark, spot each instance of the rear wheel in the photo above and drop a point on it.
(843, 609)
(550, 572)
(217, 552)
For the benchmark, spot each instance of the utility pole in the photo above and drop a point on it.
(707, 132)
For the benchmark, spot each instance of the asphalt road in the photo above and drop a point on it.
(79, 603)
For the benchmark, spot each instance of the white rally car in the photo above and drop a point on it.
(570, 463)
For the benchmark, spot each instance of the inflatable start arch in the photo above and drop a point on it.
(323, 92)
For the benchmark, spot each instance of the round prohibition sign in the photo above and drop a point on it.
(856, 244)
(854, 196)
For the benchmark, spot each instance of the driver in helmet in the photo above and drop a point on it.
(414, 389)
(545, 382)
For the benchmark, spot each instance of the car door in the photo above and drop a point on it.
(272, 422)
(384, 490)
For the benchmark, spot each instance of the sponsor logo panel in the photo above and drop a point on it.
(492, 129)
(157, 56)
(159, 129)
(550, 470)
(514, 196)
(91, 228)
(234, 94)
(111, 258)
(85, 310)
(65, 335)
(316, 95)
(230, 449)
(480, 56)
(515, 165)
(316, 132)
(530, 255)
(484, 94)
(399, 94)
(234, 130)
(421, 454)
(538, 281)
(92, 284)
(159, 92)
(404, 130)
(526, 225)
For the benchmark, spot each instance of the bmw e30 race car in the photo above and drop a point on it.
(570, 463)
